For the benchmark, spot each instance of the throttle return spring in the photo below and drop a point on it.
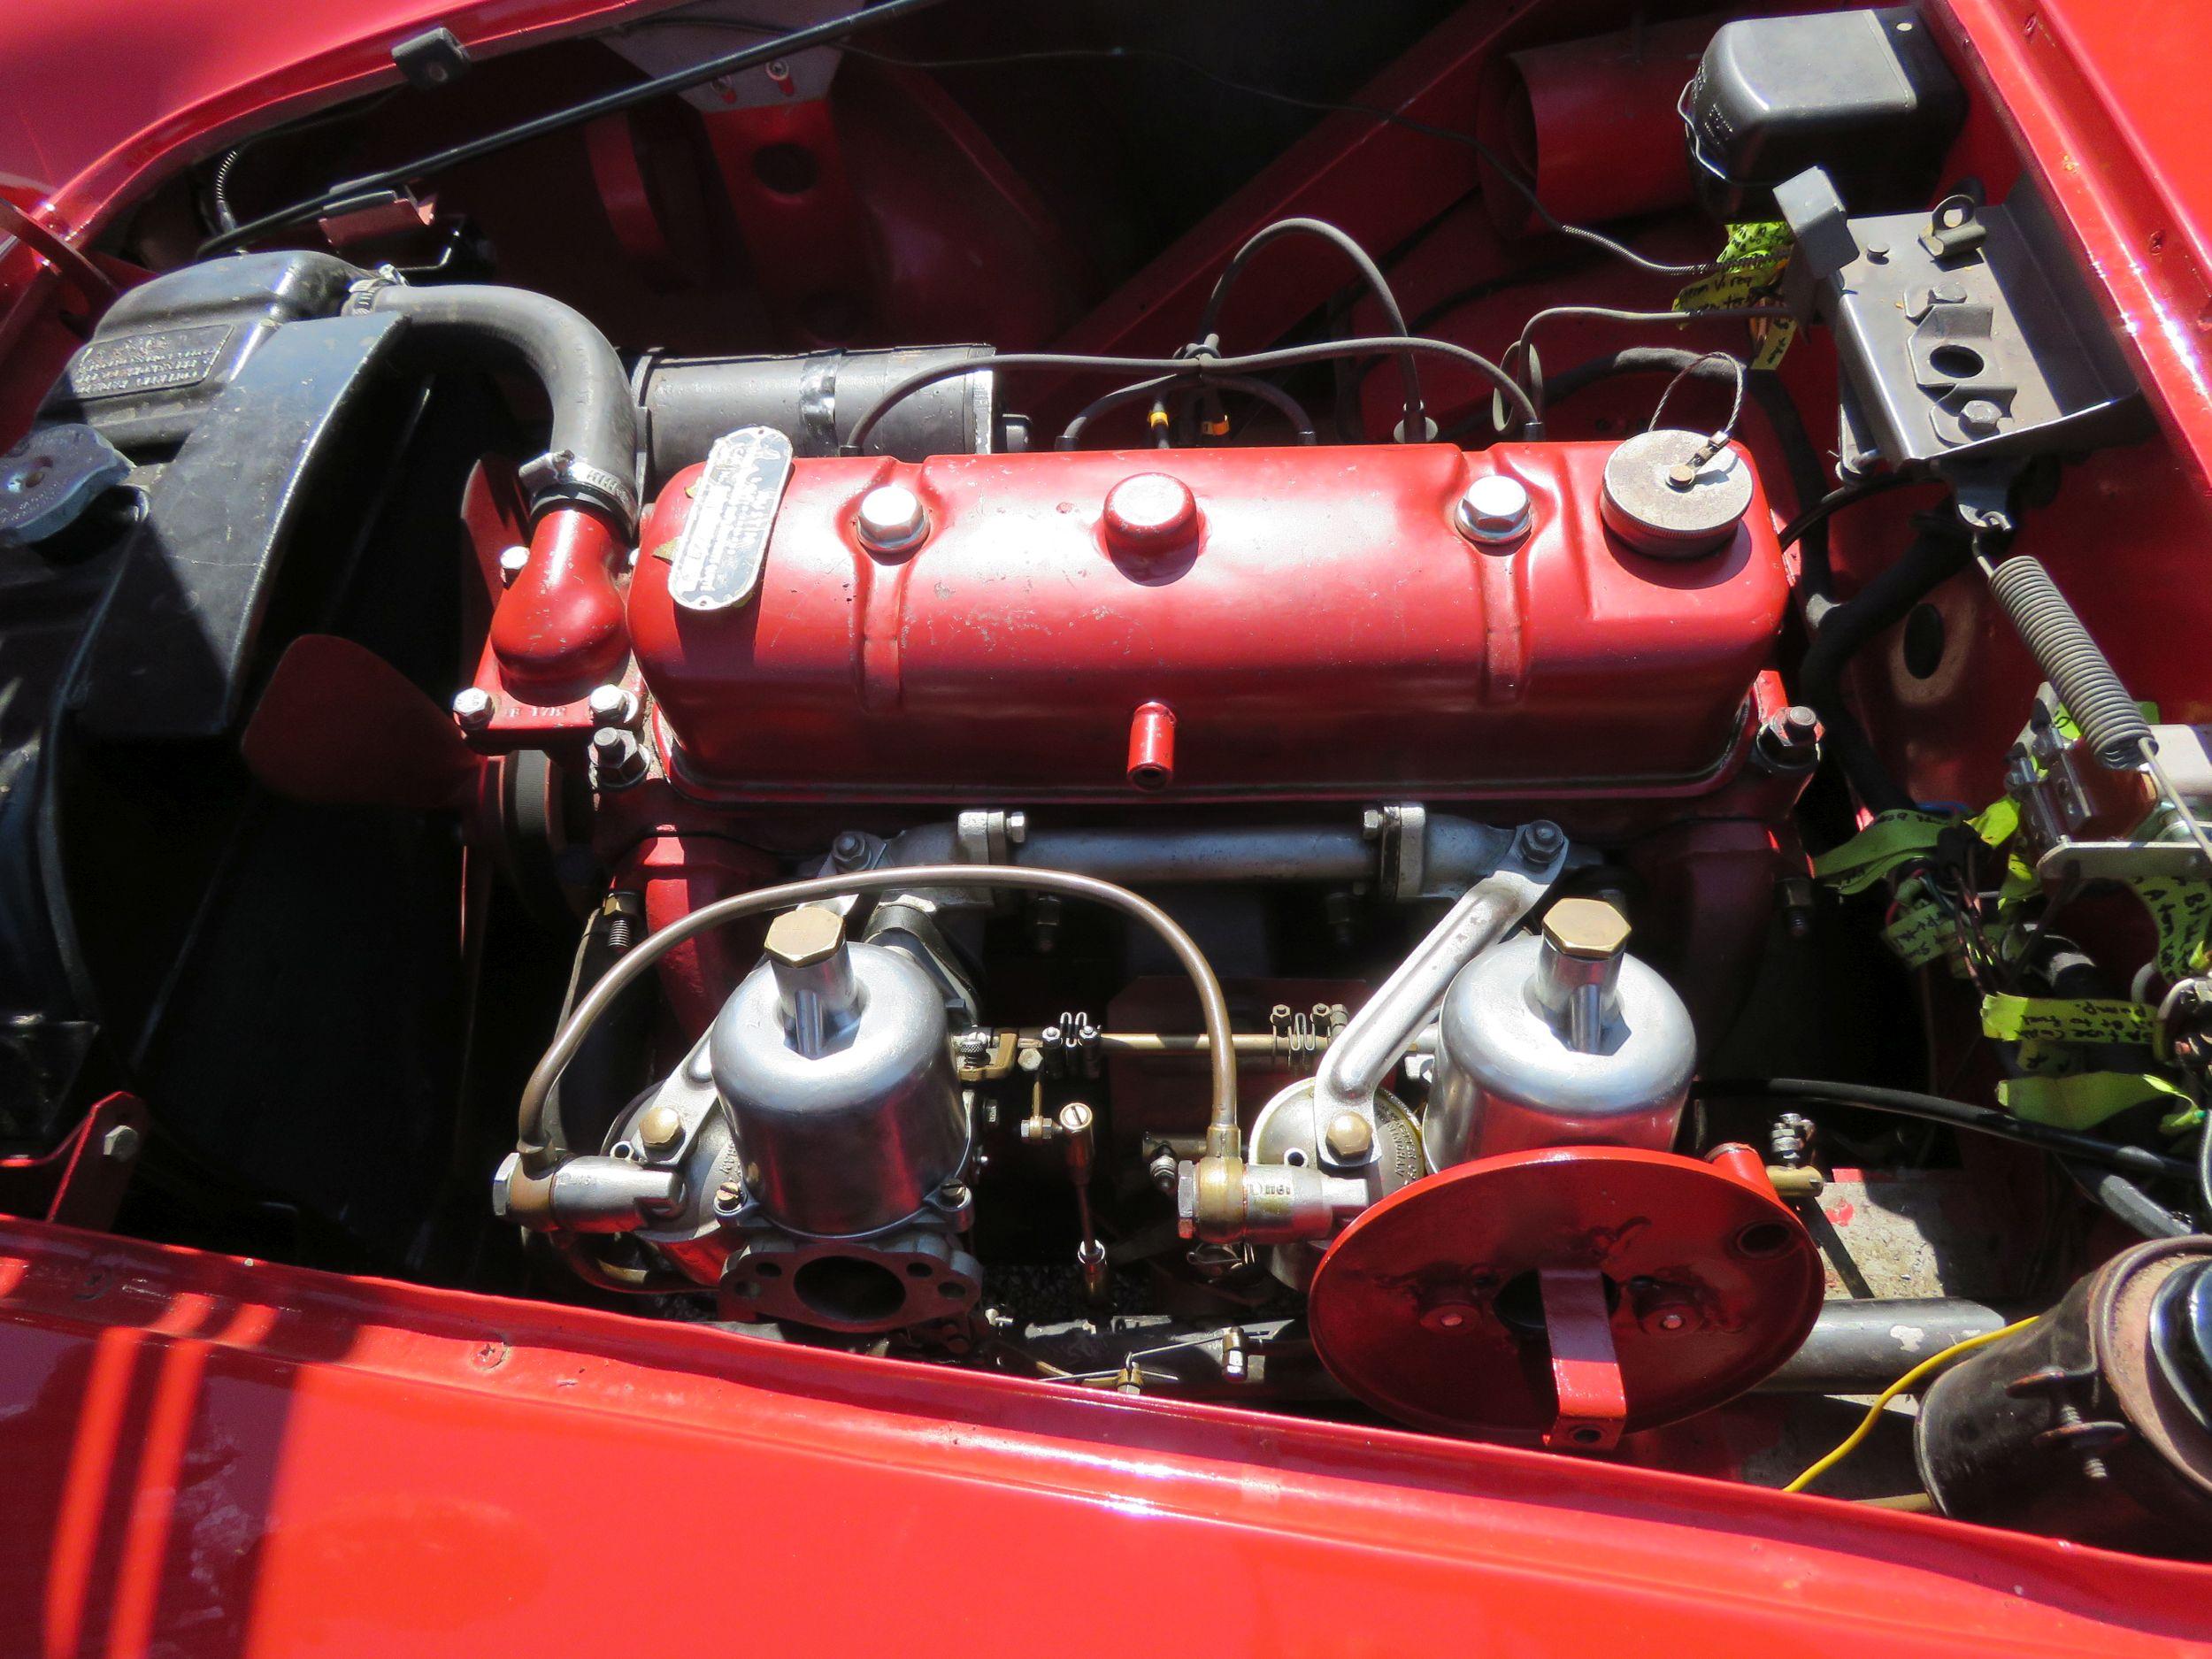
(2117, 732)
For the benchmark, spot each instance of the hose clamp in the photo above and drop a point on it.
(562, 474)
(362, 292)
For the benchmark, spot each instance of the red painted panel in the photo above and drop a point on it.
(211, 1458)
(1323, 628)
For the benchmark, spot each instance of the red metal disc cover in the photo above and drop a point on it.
(1432, 1306)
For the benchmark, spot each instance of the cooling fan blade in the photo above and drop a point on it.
(338, 725)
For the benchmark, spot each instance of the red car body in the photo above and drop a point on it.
(209, 1455)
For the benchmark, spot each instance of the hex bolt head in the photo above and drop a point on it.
(512, 562)
(891, 518)
(612, 705)
(616, 762)
(1585, 930)
(660, 1128)
(1980, 417)
(1349, 1138)
(1542, 838)
(848, 850)
(800, 938)
(473, 708)
(120, 1144)
(1494, 510)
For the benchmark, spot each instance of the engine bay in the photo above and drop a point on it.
(764, 701)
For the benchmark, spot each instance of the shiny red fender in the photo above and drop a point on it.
(210, 1457)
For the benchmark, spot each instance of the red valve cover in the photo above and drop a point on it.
(1317, 627)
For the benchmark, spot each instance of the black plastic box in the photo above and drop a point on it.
(1864, 95)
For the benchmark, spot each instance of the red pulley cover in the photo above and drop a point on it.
(1311, 618)
(1566, 1295)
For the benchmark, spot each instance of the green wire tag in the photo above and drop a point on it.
(2085, 1099)
(2183, 913)
(1891, 840)
(1922, 933)
(2067, 1019)
(1762, 246)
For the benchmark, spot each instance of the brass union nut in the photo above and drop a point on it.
(1588, 929)
(809, 934)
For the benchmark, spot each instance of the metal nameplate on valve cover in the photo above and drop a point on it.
(717, 561)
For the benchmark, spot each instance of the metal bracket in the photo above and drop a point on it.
(989, 837)
(1953, 229)
(80, 1183)
(2122, 861)
(1585, 1371)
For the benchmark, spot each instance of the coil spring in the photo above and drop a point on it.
(2069, 659)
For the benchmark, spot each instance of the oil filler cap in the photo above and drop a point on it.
(1674, 493)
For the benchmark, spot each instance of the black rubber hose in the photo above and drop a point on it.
(1266, 391)
(1937, 554)
(1988, 1120)
(1810, 525)
(594, 423)
(2069, 659)
(1416, 427)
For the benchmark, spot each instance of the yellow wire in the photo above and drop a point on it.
(1918, 1374)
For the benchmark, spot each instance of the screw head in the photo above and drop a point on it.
(1075, 1118)
(1349, 1138)
(891, 518)
(659, 1128)
(811, 933)
(1494, 509)
(473, 707)
(1589, 930)
(512, 562)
